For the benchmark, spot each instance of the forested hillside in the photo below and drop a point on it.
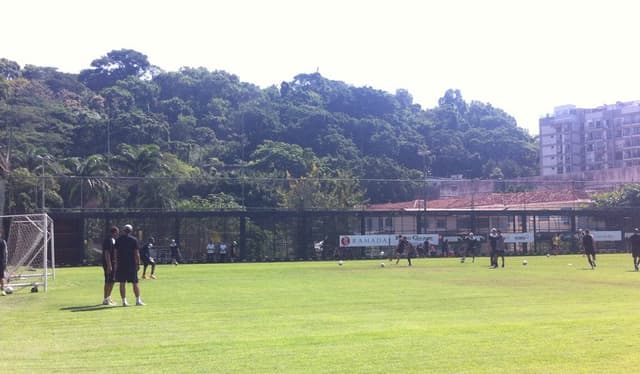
(126, 134)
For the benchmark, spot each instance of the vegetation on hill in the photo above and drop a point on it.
(125, 133)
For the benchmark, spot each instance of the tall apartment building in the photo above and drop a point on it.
(577, 140)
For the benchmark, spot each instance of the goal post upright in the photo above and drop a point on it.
(45, 245)
(53, 250)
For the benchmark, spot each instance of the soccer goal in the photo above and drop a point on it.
(31, 250)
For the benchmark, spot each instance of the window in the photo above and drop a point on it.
(388, 222)
(441, 223)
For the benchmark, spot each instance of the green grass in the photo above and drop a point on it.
(318, 317)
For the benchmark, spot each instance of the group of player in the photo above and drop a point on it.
(121, 259)
(121, 262)
(469, 245)
(497, 248)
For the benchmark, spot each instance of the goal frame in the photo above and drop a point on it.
(43, 247)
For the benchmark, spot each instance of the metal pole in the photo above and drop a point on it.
(43, 187)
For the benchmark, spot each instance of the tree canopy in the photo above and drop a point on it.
(221, 140)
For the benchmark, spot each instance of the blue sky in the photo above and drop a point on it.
(525, 57)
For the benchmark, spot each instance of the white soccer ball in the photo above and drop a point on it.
(548, 255)
(8, 290)
(524, 262)
(381, 253)
(382, 264)
(340, 262)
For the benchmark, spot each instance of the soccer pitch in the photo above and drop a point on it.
(554, 315)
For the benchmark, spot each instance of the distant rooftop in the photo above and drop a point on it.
(497, 201)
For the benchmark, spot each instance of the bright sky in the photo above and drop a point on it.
(525, 57)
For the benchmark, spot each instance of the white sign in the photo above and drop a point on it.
(607, 236)
(366, 240)
(518, 237)
(416, 239)
(384, 240)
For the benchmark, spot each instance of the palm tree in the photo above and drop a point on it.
(144, 162)
(89, 179)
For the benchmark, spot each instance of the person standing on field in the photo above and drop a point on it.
(147, 260)
(211, 251)
(634, 240)
(175, 252)
(501, 248)
(469, 245)
(223, 251)
(493, 244)
(127, 255)
(108, 264)
(589, 245)
(555, 244)
(443, 243)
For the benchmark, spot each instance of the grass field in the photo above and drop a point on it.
(318, 317)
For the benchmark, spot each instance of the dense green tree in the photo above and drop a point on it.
(114, 66)
(178, 138)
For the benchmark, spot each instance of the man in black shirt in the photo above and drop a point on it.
(108, 264)
(469, 247)
(127, 264)
(589, 245)
(145, 254)
(493, 244)
(635, 247)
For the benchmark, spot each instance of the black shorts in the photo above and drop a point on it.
(127, 275)
(147, 261)
(635, 252)
(590, 251)
(500, 252)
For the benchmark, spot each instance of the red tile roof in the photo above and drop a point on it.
(517, 200)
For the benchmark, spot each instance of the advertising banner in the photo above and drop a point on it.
(367, 240)
(518, 237)
(385, 240)
(607, 236)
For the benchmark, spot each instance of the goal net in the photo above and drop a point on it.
(30, 245)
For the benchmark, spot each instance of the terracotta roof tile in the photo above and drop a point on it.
(494, 201)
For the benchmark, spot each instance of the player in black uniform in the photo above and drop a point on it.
(108, 264)
(493, 244)
(589, 245)
(469, 244)
(145, 255)
(175, 252)
(501, 249)
(403, 245)
(634, 241)
(127, 264)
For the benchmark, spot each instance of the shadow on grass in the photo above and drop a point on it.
(87, 308)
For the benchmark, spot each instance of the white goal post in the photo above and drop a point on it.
(31, 250)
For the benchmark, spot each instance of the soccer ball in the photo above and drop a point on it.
(382, 264)
(548, 255)
(381, 253)
(524, 262)
(8, 290)
(340, 262)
